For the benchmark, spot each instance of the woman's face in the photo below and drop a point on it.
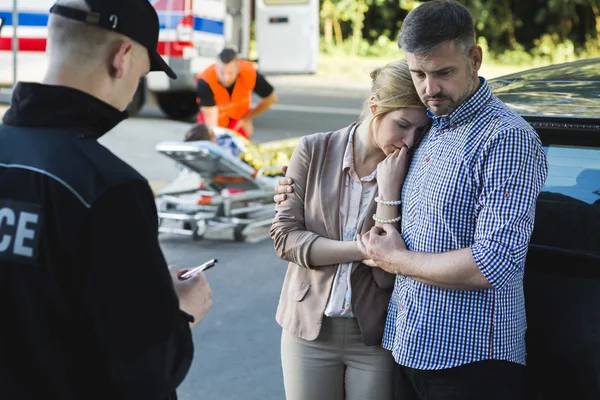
(399, 128)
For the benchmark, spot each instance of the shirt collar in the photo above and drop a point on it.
(466, 110)
(348, 163)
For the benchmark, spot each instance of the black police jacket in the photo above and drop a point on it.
(87, 304)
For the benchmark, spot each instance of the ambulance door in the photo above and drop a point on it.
(237, 26)
(287, 36)
(32, 33)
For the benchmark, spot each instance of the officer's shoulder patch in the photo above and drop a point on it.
(20, 230)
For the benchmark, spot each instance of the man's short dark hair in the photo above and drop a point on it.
(435, 22)
(227, 55)
(197, 132)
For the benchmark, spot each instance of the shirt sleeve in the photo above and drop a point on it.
(262, 87)
(205, 94)
(129, 297)
(510, 173)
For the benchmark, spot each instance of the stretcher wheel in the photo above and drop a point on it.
(238, 233)
(198, 233)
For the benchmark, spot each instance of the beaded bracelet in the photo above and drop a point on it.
(386, 221)
(389, 202)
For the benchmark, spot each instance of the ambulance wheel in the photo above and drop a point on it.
(238, 233)
(178, 105)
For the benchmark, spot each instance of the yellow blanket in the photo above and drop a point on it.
(270, 156)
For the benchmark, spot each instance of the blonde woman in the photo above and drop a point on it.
(332, 307)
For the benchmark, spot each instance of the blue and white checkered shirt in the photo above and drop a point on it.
(473, 183)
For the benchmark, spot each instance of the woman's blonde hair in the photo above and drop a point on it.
(393, 89)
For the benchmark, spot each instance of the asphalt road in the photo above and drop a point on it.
(237, 354)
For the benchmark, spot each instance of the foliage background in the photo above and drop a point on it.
(359, 35)
(533, 32)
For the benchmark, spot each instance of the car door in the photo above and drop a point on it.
(562, 275)
(562, 271)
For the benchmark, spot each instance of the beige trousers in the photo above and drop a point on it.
(335, 366)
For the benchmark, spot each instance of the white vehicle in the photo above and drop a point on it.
(192, 33)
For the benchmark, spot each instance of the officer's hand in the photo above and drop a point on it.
(195, 294)
(285, 187)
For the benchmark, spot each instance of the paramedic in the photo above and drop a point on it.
(89, 307)
(224, 93)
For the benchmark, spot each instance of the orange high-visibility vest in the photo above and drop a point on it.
(239, 103)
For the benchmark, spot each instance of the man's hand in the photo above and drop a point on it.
(195, 294)
(247, 125)
(380, 246)
(285, 186)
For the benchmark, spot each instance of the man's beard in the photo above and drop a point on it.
(452, 103)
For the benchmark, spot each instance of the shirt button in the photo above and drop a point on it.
(453, 126)
(426, 159)
(441, 131)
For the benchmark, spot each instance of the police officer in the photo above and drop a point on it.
(89, 307)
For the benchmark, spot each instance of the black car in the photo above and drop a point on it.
(562, 273)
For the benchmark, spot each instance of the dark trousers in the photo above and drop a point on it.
(484, 380)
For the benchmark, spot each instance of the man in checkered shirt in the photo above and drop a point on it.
(456, 323)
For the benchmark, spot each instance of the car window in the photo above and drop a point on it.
(574, 171)
(567, 215)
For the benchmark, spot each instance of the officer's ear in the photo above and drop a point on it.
(120, 59)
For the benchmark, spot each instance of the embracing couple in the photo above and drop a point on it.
(406, 233)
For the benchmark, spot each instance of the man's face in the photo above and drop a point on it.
(445, 78)
(227, 73)
(131, 64)
(140, 68)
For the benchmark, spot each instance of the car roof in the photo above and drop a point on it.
(568, 91)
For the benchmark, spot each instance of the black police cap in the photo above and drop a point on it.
(136, 19)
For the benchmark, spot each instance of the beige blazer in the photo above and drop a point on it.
(312, 212)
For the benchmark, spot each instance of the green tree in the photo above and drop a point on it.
(362, 26)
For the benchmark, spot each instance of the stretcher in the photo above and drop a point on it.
(217, 190)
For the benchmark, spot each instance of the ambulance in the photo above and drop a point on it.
(192, 33)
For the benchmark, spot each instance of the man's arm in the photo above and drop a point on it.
(454, 269)
(208, 105)
(512, 172)
(211, 115)
(269, 97)
(129, 297)
(284, 187)
(262, 106)
(385, 248)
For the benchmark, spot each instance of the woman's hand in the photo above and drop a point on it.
(391, 173)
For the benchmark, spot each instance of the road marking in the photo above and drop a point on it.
(315, 109)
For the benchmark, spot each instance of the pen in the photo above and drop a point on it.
(200, 268)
